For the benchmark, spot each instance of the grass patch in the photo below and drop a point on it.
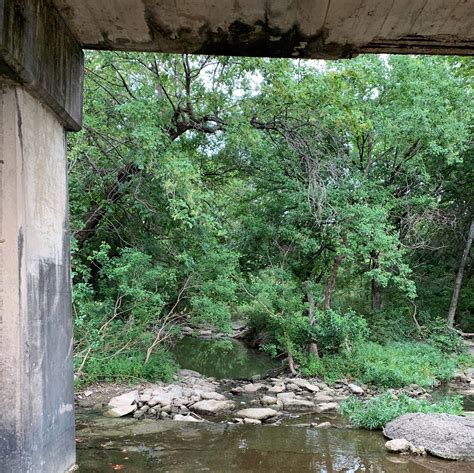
(393, 365)
(375, 413)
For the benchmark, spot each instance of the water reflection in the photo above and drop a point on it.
(222, 358)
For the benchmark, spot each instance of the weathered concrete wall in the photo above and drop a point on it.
(274, 28)
(38, 50)
(36, 373)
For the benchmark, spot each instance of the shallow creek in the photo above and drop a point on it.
(137, 446)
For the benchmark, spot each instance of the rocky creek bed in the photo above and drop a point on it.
(208, 406)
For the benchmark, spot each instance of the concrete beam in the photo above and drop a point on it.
(38, 51)
(326, 29)
(36, 370)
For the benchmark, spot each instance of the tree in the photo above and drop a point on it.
(459, 276)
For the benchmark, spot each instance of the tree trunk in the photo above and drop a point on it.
(313, 347)
(376, 296)
(459, 276)
(331, 284)
(376, 291)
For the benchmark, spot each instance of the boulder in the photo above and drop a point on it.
(211, 407)
(259, 413)
(443, 435)
(121, 411)
(295, 403)
(145, 398)
(324, 425)
(326, 407)
(356, 389)
(283, 396)
(138, 414)
(305, 384)
(322, 397)
(398, 445)
(125, 399)
(249, 420)
(277, 388)
(253, 387)
(213, 396)
(268, 400)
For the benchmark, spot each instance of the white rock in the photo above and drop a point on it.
(121, 411)
(305, 384)
(321, 397)
(324, 425)
(293, 403)
(398, 445)
(146, 397)
(213, 396)
(253, 387)
(188, 418)
(248, 420)
(325, 407)
(125, 399)
(283, 396)
(278, 388)
(269, 400)
(259, 413)
(211, 407)
(356, 389)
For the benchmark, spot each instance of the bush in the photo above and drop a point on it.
(446, 339)
(336, 331)
(128, 368)
(375, 413)
(275, 310)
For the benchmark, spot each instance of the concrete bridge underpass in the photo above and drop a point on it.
(41, 73)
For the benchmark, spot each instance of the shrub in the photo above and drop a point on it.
(446, 339)
(128, 367)
(275, 310)
(338, 331)
(375, 413)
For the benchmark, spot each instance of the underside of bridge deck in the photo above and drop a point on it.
(280, 28)
(41, 67)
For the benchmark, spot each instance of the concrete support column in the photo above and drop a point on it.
(36, 388)
(41, 66)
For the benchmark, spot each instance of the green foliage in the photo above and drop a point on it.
(337, 332)
(445, 339)
(275, 309)
(128, 368)
(376, 412)
(387, 366)
(113, 323)
(205, 187)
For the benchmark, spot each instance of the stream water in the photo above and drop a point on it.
(140, 446)
(222, 358)
(106, 445)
